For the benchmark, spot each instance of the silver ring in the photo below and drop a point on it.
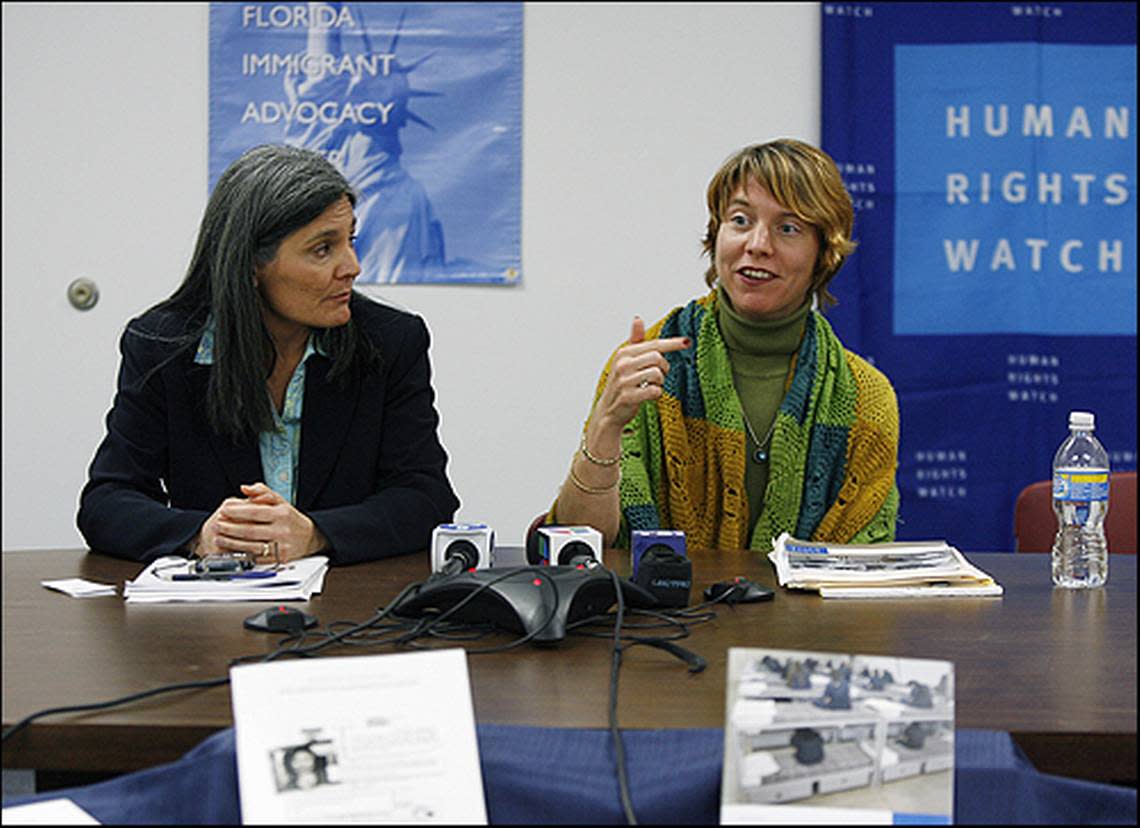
(265, 550)
(643, 384)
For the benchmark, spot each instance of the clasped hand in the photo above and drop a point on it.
(255, 523)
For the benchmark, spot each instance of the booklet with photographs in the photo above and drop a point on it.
(813, 737)
(380, 739)
(880, 570)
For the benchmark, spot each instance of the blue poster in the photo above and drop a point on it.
(990, 150)
(418, 104)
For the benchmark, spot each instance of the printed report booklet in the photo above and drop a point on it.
(377, 739)
(833, 738)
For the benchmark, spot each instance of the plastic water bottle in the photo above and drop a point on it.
(1080, 501)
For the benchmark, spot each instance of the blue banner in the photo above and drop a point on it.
(418, 104)
(990, 150)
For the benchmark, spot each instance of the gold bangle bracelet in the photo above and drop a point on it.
(597, 461)
(592, 489)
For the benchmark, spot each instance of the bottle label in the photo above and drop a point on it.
(1083, 486)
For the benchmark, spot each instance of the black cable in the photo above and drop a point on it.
(406, 633)
(619, 748)
(695, 614)
(329, 640)
(462, 632)
(696, 662)
(681, 628)
(482, 588)
(202, 684)
(79, 708)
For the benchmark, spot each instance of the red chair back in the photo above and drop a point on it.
(1035, 525)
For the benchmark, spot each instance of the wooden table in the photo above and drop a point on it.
(1055, 668)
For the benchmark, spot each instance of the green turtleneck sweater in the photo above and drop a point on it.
(760, 354)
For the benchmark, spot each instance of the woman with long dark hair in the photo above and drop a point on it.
(265, 407)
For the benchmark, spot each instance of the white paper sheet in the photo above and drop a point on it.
(79, 587)
(375, 739)
(923, 591)
(48, 812)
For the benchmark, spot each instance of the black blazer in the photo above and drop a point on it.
(371, 473)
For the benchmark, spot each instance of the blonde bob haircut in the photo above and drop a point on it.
(802, 179)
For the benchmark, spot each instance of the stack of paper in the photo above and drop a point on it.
(297, 580)
(881, 570)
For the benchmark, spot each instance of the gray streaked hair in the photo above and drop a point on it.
(262, 197)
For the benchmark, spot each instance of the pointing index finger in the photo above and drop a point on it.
(637, 337)
(662, 346)
(673, 343)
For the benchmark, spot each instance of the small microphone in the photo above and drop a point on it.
(577, 553)
(458, 547)
(667, 575)
(654, 540)
(459, 556)
(565, 546)
(661, 566)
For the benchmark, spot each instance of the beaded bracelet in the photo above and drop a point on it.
(597, 461)
(592, 489)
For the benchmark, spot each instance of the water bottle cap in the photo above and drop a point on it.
(1082, 419)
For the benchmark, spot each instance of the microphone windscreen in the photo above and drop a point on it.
(667, 575)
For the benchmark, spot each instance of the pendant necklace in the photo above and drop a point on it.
(761, 453)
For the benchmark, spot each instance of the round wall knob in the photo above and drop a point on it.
(83, 294)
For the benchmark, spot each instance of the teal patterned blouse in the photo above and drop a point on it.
(281, 447)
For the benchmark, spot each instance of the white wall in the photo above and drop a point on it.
(628, 109)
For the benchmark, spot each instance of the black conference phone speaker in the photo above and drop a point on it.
(539, 601)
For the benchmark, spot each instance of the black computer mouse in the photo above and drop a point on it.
(280, 618)
(738, 591)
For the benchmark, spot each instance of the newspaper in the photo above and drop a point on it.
(881, 570)
(162, 582)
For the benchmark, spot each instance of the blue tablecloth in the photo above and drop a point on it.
(549, 775)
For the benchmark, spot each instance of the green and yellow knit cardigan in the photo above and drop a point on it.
(834, 447)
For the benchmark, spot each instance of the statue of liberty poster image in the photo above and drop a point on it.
(419, 105)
